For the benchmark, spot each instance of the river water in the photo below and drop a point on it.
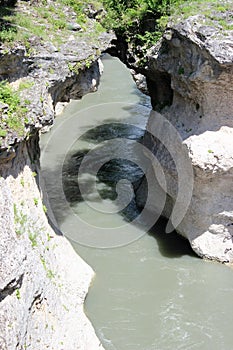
(150, 291)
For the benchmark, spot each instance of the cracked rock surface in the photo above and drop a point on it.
(190, 75)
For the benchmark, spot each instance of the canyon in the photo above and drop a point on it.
(189, 78)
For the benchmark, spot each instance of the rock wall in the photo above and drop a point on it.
(43, 282)
(190, 80)
(50, 77)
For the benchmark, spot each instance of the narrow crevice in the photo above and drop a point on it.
(11, 287)
(160, 90)
(36, 302)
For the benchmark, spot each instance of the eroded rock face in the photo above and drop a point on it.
(198, 60)
(43, 282)
(50, 76)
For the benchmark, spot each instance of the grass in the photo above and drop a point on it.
(3, 133)
(20, 220)
(20, 27)
(16, 112)
(25, 84)
(22, 23)
(46, 21)
(51, 22)
(33, 238)
(211, 9)
(49, 273)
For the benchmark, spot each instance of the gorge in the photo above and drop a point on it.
(43, 282)
(151, 291)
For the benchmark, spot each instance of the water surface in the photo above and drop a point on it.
(152, 293)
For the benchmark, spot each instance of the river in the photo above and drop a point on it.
(150, 291)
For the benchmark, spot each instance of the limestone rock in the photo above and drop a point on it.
(53, 75)
(43, 282)
(140, 81)
(190, 79)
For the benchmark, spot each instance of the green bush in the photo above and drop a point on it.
(16, 111)
(8, 96)
(129, 18)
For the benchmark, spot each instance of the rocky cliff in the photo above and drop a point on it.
(43, 283)
(190, 79)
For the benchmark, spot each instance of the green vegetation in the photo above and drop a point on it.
(16, 112)
(75, 68)
(49, 273)
(25, 84)
(138, 22)
(17, 293)
(47, 21)
(210, 9)
(48, 237)
(23, 224)
(20, 220)
(33, 238)
(142, 22)
(3, 133)
(65, 307)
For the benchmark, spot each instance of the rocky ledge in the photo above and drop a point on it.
(47, 77)
(190, 80)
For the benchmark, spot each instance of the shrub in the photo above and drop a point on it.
(16, 111)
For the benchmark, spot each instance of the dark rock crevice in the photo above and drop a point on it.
(160, 91)
(11, 287)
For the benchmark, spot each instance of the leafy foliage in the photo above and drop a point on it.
(16, 111)
(124, 15)
(142, 22)
(139, 22)
(8, 96)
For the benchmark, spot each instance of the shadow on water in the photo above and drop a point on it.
(112, 130)
(109, 174)
(171, 245)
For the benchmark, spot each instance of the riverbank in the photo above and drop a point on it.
(43, 283)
